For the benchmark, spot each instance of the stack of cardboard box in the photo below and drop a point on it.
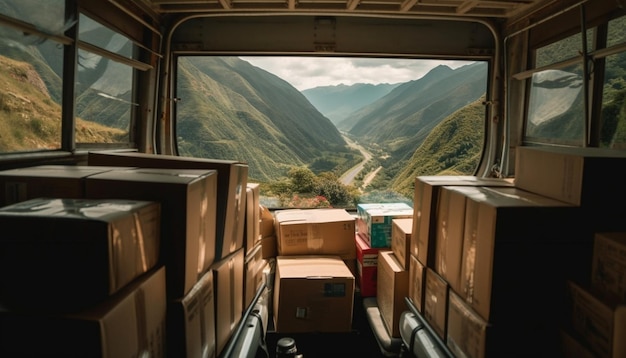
(374, 226)
(493, 260)
(81, 277)
(385, 230)
(200, 254)
(188, 226)
(596, 316)
(594, 322)
(314, 283)
(258, 268)
(227, 267)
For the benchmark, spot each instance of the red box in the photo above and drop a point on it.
(367, 267)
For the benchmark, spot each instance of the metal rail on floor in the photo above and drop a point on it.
(433, 337)
(229, 349)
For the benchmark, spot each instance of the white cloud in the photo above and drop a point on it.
(309, 72)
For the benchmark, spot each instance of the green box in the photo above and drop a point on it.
(374, 221)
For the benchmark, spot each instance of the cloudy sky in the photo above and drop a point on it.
(308, 72)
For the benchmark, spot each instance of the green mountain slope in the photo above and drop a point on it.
(31, 120)
(405, 117)
(226, 102)
(453, 147)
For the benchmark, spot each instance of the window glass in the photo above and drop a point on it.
(613, 121)
(570, 47)
(104, 87)
(616, 32)
(31, 69)
(330, 142)
(555, 108)
(556, 101)
(46, 15)
(92, 32)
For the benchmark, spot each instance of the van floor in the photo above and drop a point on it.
(359, 342)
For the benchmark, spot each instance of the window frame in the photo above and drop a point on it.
(593, 62)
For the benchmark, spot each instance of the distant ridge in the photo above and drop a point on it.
(338, 102)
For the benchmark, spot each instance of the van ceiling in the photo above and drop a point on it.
(506, 9)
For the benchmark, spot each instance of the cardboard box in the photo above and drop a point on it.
(601, 322)
(449, 234)
(574, 347)
(393, 287)
(367, 267)
(436, 302)
(130, 323)
(313, 294)
(374, 221)
(351, 264)
(468, 332)
(512, 239)
(254, 266)
(74, 252)
(45, 181)
(188, 200)
(577, 176)
(417, 281)
(425, 199)
(232, 179)
(608, 268)
(252, 228)
(191, 321)
(315, 232)
(268, 247)
(401, 240)
(228, 275)
(267, 222)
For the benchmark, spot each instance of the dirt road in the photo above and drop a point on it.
(348, 177)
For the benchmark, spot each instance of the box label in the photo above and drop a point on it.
(334, 290)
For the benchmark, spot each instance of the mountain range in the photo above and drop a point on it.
(226, 101)
(338, 102)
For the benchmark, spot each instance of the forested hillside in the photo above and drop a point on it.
(232, 110)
